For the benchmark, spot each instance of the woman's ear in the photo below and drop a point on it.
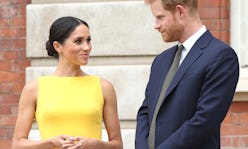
(57, 46)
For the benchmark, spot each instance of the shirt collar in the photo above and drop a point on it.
(188, 44)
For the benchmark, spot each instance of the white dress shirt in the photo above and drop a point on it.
(188, 44)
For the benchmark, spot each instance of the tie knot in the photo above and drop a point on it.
(180, 47)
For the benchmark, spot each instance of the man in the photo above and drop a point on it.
(187, 113)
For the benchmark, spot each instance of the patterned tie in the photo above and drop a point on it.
(167, 81)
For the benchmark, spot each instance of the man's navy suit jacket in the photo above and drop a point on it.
(196, 101)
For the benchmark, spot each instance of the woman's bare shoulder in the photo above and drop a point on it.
(106, 84)
(31, 89)
(31, 85)
(108, 90)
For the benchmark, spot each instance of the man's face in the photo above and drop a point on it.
(166, 22)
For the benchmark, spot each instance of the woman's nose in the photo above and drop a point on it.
(86, 46)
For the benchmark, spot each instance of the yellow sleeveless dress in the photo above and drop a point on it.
(69, 106)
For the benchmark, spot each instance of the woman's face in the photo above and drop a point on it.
(76, 48)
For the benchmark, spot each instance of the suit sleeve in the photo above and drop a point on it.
(216, 95)
(142, 129)
(143, 126)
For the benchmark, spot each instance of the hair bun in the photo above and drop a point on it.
(50, 50)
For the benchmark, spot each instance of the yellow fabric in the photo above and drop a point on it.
(70, 106)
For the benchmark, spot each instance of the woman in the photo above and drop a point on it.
(69, 104)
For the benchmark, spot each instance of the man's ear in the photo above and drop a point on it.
(57, 46)
(180, 10)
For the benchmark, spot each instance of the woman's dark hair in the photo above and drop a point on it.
(60, 30)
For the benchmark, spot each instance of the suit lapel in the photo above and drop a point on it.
(195, 52)
(163, 69)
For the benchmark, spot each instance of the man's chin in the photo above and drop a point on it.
(165, 39)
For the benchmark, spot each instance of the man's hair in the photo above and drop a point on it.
(170, 5)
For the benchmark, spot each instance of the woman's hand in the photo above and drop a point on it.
(84, 143)
(63, 142)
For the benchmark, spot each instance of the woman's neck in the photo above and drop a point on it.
(63, 70)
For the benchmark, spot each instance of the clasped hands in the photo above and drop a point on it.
(70, 142)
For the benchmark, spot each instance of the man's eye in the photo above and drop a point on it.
(160, 17)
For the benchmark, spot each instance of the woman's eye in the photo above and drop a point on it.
(88, 40)
(78, 41)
